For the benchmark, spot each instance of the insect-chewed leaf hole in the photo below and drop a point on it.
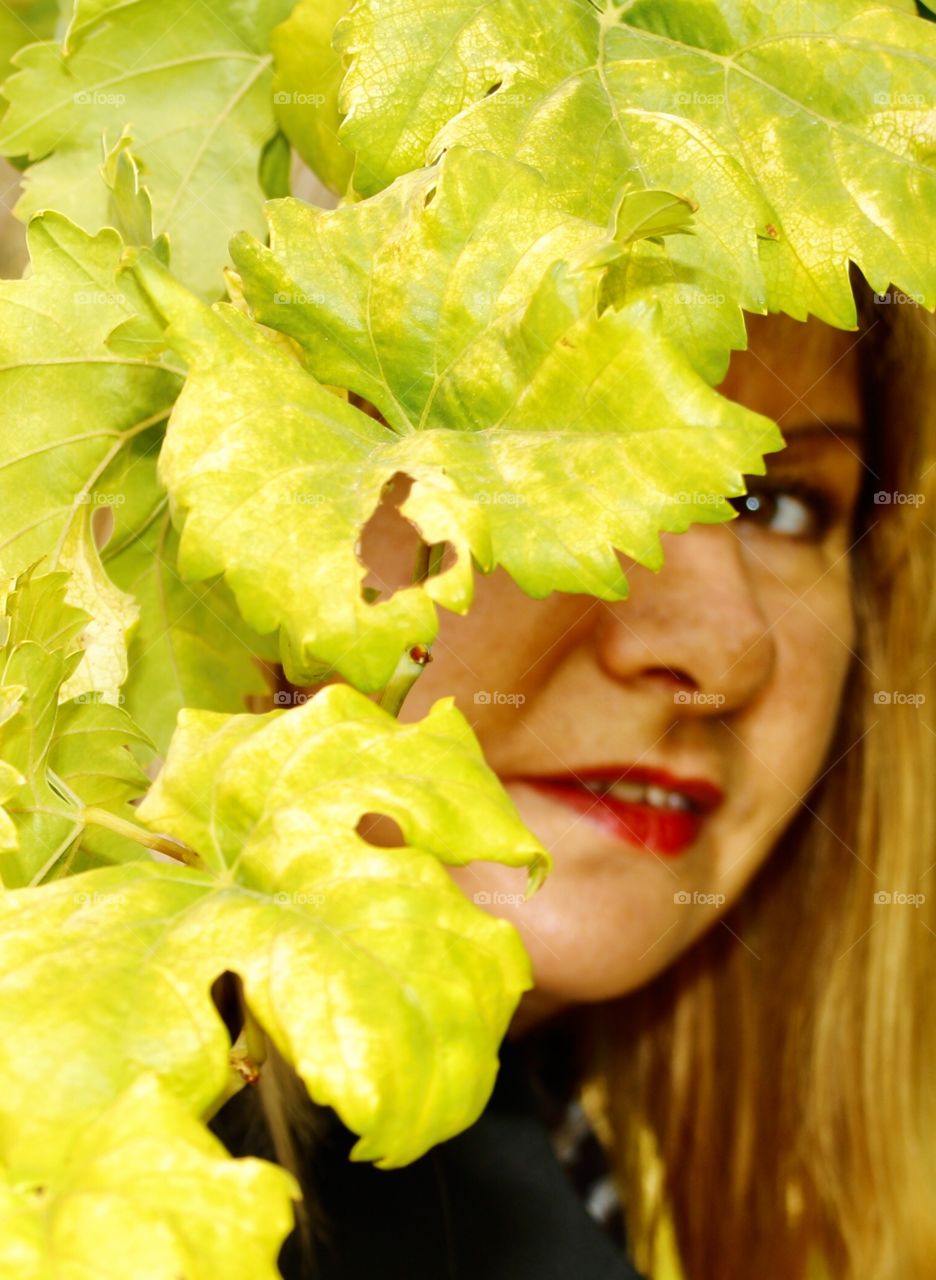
(389, 544)
(102, 526)
(380, 830)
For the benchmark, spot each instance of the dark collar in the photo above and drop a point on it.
(492, 1203)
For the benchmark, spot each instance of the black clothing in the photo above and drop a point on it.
(492, 1203)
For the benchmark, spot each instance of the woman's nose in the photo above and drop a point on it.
(699, 622)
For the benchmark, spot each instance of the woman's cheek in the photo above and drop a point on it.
(785, 737)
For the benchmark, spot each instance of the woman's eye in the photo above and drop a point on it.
(792, 512)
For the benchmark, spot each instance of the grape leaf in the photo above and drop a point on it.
(805, 134)
(114, 1195)
(193, 84)
(65, 757)
(472, 238)
(191, 647)
(83, 418)
(23, 22)
(10, 781)
(476, 233)
(113, 614)
(375, 976)
(131, 209)
(305, 88)
(540, 435)
(71, 407)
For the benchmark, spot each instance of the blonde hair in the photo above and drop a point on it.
(782, 1066)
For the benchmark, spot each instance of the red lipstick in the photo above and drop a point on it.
(649, 809)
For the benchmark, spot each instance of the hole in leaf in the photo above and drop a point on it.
(365, 406)
(388, 543)
(380, 830)
(102, 526)
(225, 993)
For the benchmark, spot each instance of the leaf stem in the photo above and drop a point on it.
(413, 660)
(428, 561)
(149, 839)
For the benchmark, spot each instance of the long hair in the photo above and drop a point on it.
(783, 1067)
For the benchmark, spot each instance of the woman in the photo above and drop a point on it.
(732, 954)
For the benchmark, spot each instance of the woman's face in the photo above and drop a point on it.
(725, 667)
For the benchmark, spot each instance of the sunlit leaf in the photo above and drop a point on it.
(113, 1196)
(192, 83)
(374, 974)
(805, 133)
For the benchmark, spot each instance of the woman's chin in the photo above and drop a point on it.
(589, 937)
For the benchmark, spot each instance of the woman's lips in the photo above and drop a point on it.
(654, 827)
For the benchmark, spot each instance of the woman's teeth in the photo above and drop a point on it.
(639, 793)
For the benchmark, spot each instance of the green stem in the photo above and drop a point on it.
(408, 670)
(412, 661)
(149, 839)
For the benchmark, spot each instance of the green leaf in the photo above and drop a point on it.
(91, 757)
(305, 88)
(71, 405)
(650, 214)
(493, 231)
(85, 395)
(131, 208)
(113, 614)
(192, 83)
(24, 22)
(386, 988)
(540, 435)
(74, 410)
(10, 781)
(65, 757)
(192, 647)
(114, 1195)
(810, 126)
